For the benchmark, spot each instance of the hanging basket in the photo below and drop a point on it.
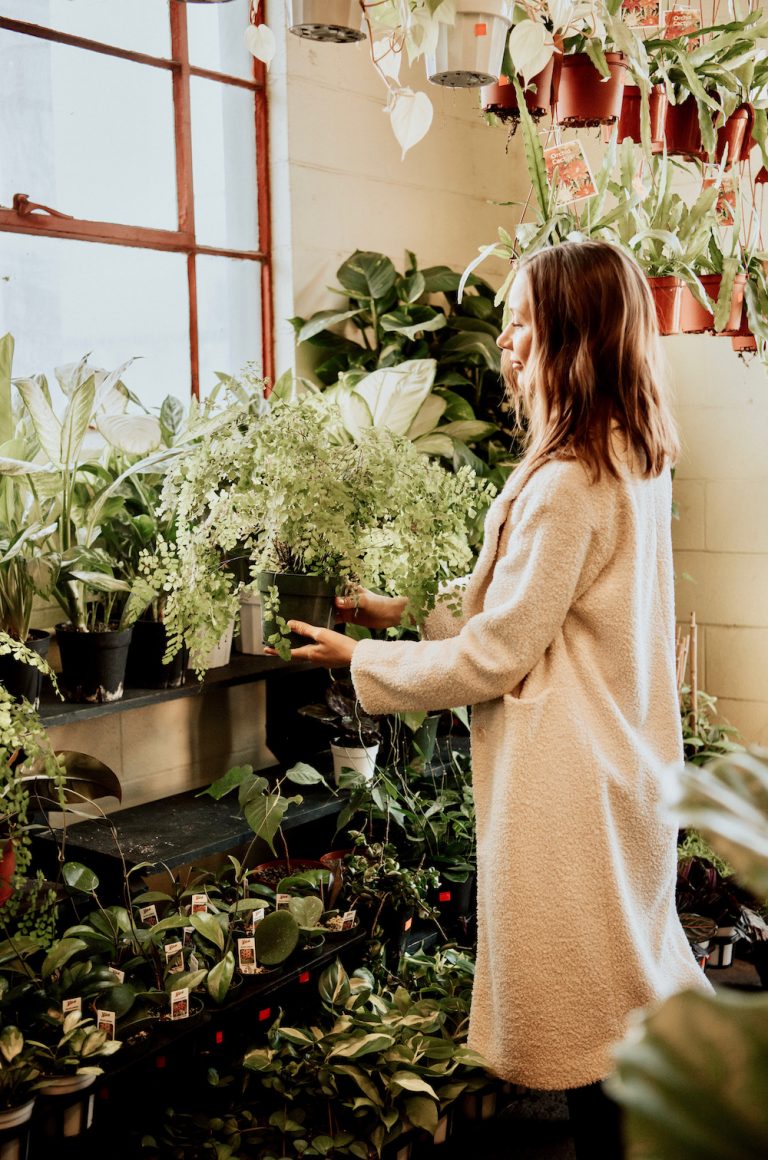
(667, 294)
(501, 98)
(585, 98)
(468, 54)
(735, 136)
(629, 118)
(334, 21)
(695, 319)
(682, 131)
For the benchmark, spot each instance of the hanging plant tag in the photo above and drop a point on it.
(105, 1021)
(180, 1003)
(641, 13)
(679, 21)
(148, 914)
(199, 904)
(568, 173)
(725, 208)
(246, 955)
(174, 958)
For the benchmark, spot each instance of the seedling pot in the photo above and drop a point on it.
(21, 679)
(361, 759)
(586, 98)
(306, 598)
(333, 21)
(145, 668)
(469, 53)
(92, 663)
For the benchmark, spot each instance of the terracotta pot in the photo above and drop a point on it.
(681, 129)
(736, 136)
(667, 296)
(629, 119)
(694, 319)
(583, 96)
(501, 98)
(743, 340)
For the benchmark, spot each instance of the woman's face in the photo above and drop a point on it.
(516, 339)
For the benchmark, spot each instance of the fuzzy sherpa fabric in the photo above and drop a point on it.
(565, 650)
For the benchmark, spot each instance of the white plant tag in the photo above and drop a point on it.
(105, 1021)
(180, 1003)
(148, 914)
(246, 955)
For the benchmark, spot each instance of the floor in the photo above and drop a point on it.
(534, 1124)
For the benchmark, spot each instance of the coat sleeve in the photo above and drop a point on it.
(447, 618)
(558, 545)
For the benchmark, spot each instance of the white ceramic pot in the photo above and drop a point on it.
(360, 759)
(219, 655)
(468, 54)
(336, 21)
(65, 1105)
(14, 1131)
(251, 638)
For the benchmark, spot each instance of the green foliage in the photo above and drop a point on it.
(17, 1069)
(703, 736)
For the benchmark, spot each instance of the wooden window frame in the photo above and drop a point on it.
(183, 240)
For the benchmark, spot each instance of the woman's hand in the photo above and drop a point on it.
(328, 648)
(369, 610)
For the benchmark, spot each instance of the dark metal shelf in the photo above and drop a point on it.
(241, 670)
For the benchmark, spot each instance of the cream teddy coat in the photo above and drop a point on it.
(565, 649)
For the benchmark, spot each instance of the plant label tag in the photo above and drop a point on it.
(282, 901)
(68, 1005)
(679, 21)
(568, 173)
(174, 958)
(105, 1021)
(148, 914)
(199, 904)
(180, 1003)
(257, 916)
(246, 955)
(349, 920)
(119, 975)
(641, 13)
(187, 933)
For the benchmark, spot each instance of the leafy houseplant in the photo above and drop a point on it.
(17, 1070)
(357, 734)
(280, 489)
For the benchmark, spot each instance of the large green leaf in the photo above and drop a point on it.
(223, 785)
(354, 1047)
(133, 434)
(422, 1112)
(6, 404)
(303, 774)
(474, 343)
(47, 426)
(692, 1078)
(321, 321)
(76, 419)
(79, 877)
(306, 911)
(60, 953)
(367, 275)
(209, 927)
(429, 415)
(395, 394)
(265, 813)
(220, 977)
(412, 320)
(409, 1081)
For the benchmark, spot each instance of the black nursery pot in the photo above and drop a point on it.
(21, 679)
(145, 668)
(307, 598)
(92, 663)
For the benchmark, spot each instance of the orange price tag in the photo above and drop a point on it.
(481, 29)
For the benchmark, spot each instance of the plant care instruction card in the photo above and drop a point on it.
(569, 173)
(679, 21)
(641, 13)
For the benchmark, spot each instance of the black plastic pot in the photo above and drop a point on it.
(307, 598)
(92, 663)
(145, 668)
(21, 679)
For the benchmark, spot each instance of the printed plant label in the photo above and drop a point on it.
(569, 173)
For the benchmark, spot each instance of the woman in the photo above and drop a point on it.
(565, 650)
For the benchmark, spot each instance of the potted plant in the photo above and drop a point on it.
(17, 1090)
(67, 1073)
(357, 735)
(468, 53)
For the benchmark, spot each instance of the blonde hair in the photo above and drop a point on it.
(595, 362)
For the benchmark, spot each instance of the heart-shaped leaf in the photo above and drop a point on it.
(260, 42)
(410, 115)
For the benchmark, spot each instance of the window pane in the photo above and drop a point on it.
(87, 134)
(224, 165)
(61, 299)
(141, 25)
(217, 38)
(229, 312)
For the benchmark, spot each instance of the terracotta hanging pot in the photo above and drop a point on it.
(501, 98)
(667, 294)
(584, 97)
(695, 319)
(743, 340)
(682, 131)
(629, 118)
(735, 136)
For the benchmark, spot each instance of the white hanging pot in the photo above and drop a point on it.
(337, 21)
(468, 54)
(219, 654)
(251, 639)
(360, 759)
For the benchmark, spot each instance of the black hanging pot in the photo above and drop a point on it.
(145, 668)
(21, 679)
(92, 663)
(306, 598)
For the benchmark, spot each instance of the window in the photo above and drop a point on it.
(141, 129)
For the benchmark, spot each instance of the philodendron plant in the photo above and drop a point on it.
(693, 1072)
